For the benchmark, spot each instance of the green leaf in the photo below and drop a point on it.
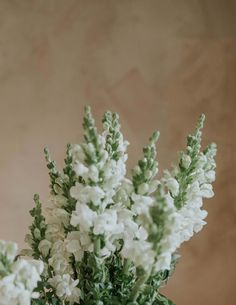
(162, 300)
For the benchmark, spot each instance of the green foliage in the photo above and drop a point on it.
(105, 282)
(94, 280)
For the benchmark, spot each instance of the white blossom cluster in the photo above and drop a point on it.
(194, 179)
(143, 219)
(18, 277)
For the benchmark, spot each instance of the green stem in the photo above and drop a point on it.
(138, 287)
(126, 265)
(97, 246)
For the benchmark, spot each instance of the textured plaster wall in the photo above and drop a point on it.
(159, 64)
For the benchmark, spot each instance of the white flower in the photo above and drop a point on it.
(141, 204)
(54, 232)
(27, 272)
(59, 258)
(185, 161)
(106, 223)
(206, 191)
(114, 172)
(143, 188)
(8, 249)
(193, 191)
(131, 228)
(93, 173)
(73, 244)
(65, 287)
(140, 252)
(58, 200)
(87, 194)
(83, 216)
(210, 176)
(173, 186)
(153, 186)
(16, 287)
(78, 153)
(81, 169)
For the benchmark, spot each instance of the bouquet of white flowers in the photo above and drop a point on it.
(105, 238)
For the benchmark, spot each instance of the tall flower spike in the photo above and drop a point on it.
(91, 137)
(113, 135)
(53, 172)
(188, 163)
(147, 168)
(37, 229)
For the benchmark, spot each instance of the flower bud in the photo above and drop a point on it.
(44, 247)
(185, 161)
(37, 233)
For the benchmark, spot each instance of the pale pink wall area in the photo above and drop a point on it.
(160, 64)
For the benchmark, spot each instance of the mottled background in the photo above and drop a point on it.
(159, 64)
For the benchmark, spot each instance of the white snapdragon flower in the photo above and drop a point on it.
(78, 153)
(210, 176)
(148, 187)
(114, 172)
(141, 204)
(57, 216)
(93, 173)
(83, 216)
(87, 172)
(171, 183)
(125, 217)
(124, 193)
(173, 186)
(66, 288)
(106, 223)
(19, 279)
(27, 272)
(59, 201)
(77, 242)
(87, 194)
(8, 249)
(206, 190)
(60, 258)
(140, 252)
(54, 232)
(75, 245)
(81, 170)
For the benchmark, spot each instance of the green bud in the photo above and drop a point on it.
(37, 233)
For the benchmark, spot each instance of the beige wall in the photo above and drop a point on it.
(159, 64)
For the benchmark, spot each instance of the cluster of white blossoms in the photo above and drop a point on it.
(18, 277)
(95, 209)
(187, 185)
